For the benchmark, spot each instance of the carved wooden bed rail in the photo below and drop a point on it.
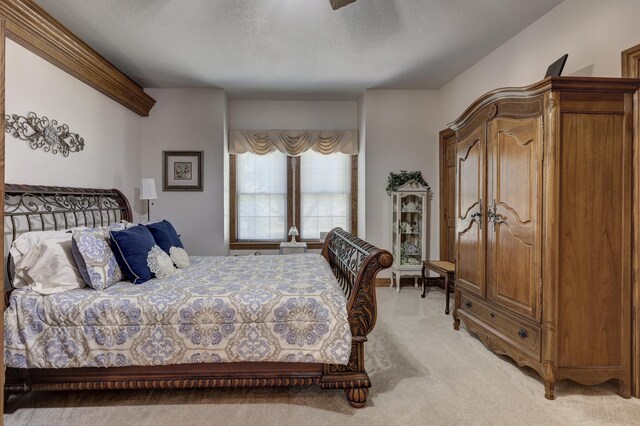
(354, 262)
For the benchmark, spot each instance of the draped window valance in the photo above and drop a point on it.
(293, 142)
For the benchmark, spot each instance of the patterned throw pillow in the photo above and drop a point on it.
(94, 257)
(179, 257)
(139, 256)
(160, 263)
(167, 238)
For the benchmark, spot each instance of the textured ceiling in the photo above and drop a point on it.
(295, 49)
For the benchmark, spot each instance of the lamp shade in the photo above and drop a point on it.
(293, 233)
(148, 191)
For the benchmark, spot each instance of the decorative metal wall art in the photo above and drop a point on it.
(43, 133)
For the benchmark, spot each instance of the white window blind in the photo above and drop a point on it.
(325, 192)
(261, 197)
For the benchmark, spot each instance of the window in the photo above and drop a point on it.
(325, 189)
(261, 197)
(272, 192)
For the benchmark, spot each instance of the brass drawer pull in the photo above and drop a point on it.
(468, 304)
(523, 334)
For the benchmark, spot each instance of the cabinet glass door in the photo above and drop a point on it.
(410, 229)
(395, 226)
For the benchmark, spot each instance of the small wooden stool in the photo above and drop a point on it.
(446, 270)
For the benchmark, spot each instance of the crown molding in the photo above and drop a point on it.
(32, 27)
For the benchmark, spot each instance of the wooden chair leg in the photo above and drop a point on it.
(424, 282)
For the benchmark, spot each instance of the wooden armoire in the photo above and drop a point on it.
(544, 231)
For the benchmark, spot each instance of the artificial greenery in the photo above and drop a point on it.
(396, 180)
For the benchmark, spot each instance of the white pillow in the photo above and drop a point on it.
(22, 245)
(49, 267)
(29, 240)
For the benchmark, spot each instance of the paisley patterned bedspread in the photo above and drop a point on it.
(220, 309)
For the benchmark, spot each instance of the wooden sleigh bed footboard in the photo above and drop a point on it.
(354, 262)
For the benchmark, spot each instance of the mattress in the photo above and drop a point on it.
(219, 309)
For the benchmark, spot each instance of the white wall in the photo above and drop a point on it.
(592, 32)
(189, 120)
(362, 168)
(300, 115)
(398, 129)
(293, 115)
(401, 133)
(225, 172)
(111, 132)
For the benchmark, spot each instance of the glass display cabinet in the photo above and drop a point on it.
(409, 231)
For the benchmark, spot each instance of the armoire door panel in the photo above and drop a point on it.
(470, 186)
(510, 278)
(469, 264)
(514, 163)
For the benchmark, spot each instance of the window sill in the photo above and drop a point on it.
(314, 245)
(255, 245)
(268, 245)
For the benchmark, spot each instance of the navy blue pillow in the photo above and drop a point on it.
(165, 235)
(131, 248)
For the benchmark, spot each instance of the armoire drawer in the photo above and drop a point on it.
(522, 335)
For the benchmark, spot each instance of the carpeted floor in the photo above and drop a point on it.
(423, 373)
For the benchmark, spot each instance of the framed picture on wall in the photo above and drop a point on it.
(182, 170)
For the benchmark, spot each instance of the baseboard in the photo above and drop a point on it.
(431, 281)
(383, 282)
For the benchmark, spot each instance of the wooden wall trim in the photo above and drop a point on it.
(631, 69)
(2, 301)
(635, 279)
(32, 27)
(233, 203)
(444, 192)
(383, 282)
(294, 196)
(354, 195)
(631, 62)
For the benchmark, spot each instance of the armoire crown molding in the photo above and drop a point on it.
(32, 27)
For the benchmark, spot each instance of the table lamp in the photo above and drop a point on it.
(293, 233)
(148, 192)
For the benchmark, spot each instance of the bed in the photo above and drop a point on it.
(228, 321)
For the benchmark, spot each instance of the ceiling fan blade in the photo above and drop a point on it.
(337, 4)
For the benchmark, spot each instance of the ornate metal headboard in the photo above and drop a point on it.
(42, 208)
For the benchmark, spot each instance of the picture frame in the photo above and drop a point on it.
(182, 170)
(555, 69)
